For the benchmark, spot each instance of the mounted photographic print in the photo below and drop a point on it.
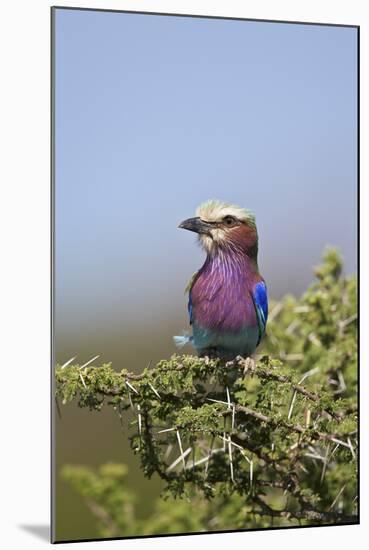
(205, 252)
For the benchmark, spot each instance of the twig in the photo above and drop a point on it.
(309, 514)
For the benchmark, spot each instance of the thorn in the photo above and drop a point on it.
(130, 386)
(217, 401)
(154, 390)
(179, 459)
(337, 497)
(202, 460)
(230, 458)
(292, 326)
(89, 362)
(324, 469)
(315, 456)
(245, 456)
(306, 375)
(307, 417)
(181, 449)
(168, 451)
(343, 324)
(342, 383)
(334, 450)
(303, 468)
(291, 405)
(68, 362)
(228, 398)
(251, 464)
(209, 455)
(309, 373)
(351, 448)
(83, 382)
(340, 442)
(302, 309)
(130, 400)
(314, 340)
(139, 419)
(275, 311)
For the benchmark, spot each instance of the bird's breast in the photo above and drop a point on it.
(221, 299)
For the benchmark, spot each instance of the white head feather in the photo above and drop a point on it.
(215, 211)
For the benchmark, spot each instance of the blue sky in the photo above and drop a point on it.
(155, 114)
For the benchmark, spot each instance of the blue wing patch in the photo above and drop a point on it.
(189, 307)
(260, 298)
(188, 289)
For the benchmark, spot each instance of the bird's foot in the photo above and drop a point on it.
(211, 353)
(248, 365)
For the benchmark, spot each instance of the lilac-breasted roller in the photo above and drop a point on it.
(228, 304)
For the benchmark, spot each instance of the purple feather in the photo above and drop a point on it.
(221, 294)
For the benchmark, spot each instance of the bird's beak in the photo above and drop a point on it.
(197, 225)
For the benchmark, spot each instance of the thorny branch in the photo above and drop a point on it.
(280, 434)
(154, 399)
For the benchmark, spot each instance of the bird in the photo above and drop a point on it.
(227, 296)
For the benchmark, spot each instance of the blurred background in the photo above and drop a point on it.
(153, 115)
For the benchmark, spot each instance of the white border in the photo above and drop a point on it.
(24, 220)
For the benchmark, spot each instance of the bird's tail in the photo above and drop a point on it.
(181, 341)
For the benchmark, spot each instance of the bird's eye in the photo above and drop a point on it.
(229, 221)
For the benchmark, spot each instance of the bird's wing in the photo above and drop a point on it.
(188, 289)
(189, 307)
(260, 299)
(191, 282)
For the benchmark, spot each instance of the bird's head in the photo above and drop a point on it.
(222, 226)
